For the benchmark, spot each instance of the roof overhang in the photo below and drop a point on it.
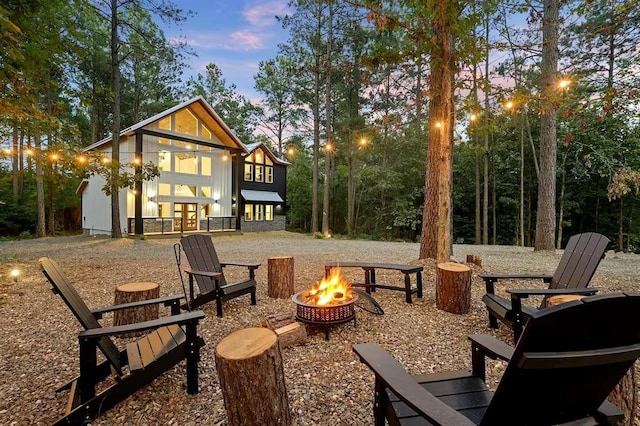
(82, 186)
(261, 196)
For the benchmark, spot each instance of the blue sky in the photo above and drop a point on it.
(234, 34)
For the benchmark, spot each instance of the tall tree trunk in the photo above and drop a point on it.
(487, 106)
(546, 216)
(621, 225)
(436, 222)
(561, 209)
(328, 126)
(51, 213)
(316, 135)
(478, 206)
(522, 179)
(116, 232)
(41, 229)
(15, 165)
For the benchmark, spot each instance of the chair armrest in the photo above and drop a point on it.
(246, 265)
(523, 293)
(165, 300)
(490, 347)
(491, 279)
(202, 273)
(97, 333)
(390, 373)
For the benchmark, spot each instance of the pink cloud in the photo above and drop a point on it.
(247, 40)
(263, 14)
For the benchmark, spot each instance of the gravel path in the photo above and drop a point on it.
(326, 384)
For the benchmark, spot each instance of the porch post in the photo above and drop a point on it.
(237, 177)
(139, 227)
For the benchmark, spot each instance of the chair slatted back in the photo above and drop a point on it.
(202, 256)
(568, 360)
(580, 259)
(74, 302)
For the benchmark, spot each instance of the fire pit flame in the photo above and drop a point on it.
(329, 291)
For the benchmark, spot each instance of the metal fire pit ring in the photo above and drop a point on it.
(325, 316)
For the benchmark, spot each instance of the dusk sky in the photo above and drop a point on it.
(234, 34)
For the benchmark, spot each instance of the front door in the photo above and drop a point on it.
(186, 216)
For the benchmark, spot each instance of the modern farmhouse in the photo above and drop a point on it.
(209, 180)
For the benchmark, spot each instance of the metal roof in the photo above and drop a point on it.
(261, 196)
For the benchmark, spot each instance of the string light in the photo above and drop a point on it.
(508, 105)
(473, 117)
(438, 124)
(564, 83)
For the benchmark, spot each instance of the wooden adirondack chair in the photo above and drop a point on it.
(579, 262)
(568, 360)
(170, 340)
(207, 270)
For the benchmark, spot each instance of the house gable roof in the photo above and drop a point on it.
(201, 108)
(253, 146)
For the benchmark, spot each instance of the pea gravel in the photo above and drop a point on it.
(326, 384)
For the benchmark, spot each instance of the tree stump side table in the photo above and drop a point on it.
(251, 374)
(136, 292)
(453, 287)
(280, 277)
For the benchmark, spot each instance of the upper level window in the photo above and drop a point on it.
(186, 122)
(165, 123)
(248, 172)
(258, 167)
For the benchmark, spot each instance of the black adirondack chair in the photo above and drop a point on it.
(568, 360)
(207, 271)
(579, 262)
(170, 340)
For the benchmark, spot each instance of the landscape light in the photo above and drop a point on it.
(14, 274)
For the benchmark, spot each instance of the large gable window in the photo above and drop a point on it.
(186, 122)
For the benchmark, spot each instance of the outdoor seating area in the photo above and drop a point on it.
(327, 381)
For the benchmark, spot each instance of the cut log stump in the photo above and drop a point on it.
(280, 277)
(475, 259)
(135, 292)
(251, 374)
(289, 331)
(453, 287)
(562, 298)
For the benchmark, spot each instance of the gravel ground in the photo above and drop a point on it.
(326, 384)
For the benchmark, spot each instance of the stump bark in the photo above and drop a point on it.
(289, 331)
(251, 374)
(453, 287)
(280, 277)
(135, 292)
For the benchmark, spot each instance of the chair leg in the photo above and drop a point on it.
(493, 321)
(193, 354)
(253, 298)
(379, 401)
(219, 306)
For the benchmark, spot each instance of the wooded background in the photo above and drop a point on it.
(347, 101)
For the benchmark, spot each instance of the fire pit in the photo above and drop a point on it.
(331, 301)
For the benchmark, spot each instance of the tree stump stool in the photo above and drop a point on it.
(135, 292)
(562, 298)
(453, 287)
(280, 277)
(251, 374)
